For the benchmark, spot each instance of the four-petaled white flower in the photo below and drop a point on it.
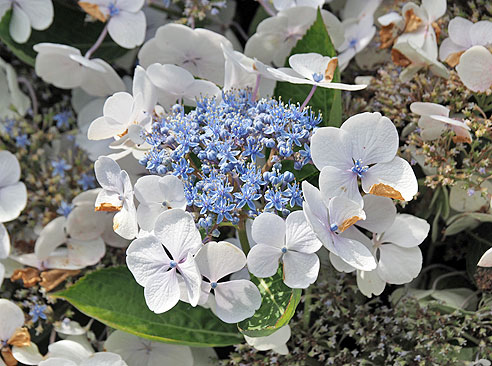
(358, 34)
(156, 195)
(174, 231)
(197, 50)
(116, 196)
(177, 83)
(276, 36)
(363, 147)
(71, 353)
(10, 93)
(313, 69)
(275, 341)
(394, 243)
(27, 14)
(463, 35)
(66, 68)
(126, 117)
(329, 217)
(138, 351)
(291, 241)
(125, 19)
(235, 300)
(486, 259)
(475, 69)
(435, 120)
(13, 194)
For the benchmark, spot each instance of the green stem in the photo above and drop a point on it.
(306, 317)
(243, 236)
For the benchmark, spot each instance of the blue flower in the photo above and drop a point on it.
(59, 168)
(22, 141)
(37, 312)
(86, 181)
(62, 119)
(64, 209)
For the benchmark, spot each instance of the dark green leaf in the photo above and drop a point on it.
(69, 28)
(113, 297)
(326, 101)
(278, 305)
(307, 171)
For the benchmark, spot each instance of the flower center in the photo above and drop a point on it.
(284, 250)
(352, 42)
(359, 169)
(4, 343)
(173, 264)
(317, 77)
(213, 285)
(333, 227)
(113, 10)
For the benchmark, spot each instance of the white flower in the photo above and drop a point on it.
(486, 259)
(116, 196)
(328, 218)
(10, 93)
(27, 14)
(69, 327)
(137, 351)
(125, 19)
(235, 300)
(407, 54)
(65, 67)
(4, 249)
(13, 194)
(156, 195)
(312, 69)
(463, 199)
(360, 9)
(197, 50)
(242, 72)
(475, 69)
(292, 241)
(11, 319)
(358, 34)
(394, 243)
(463, 35)
(276, 36)
(435, 120)
(71, 353)
(147, 259)
(287, 4)
(178, 83)
(126, 116)
(363, 147)
(275, 341)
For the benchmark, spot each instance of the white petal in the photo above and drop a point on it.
(10, 168)
(70, 350)
(192, 278)
(306, 64)
(269, 229)
(486, 259)
(263, 260)
(380, 214)
(145, 257)
(407, 231)
(108, 174)
(142, 85)
(13, 199)
(399, 265)
(173, 189)
(481, 33)
(299, 235)
(104, 359)
(11, 318)
(82, 254)
(475, 69)
(344, 213)
(339, 264)
(28, 355)
(40, 12)
(300, 269)
(132, 6)
(459, 31)
(435, 8)
(148, 190)
(137, 351)
(85, 224)
(125, 221)
(162, 291)
(100, 79)
(370, 283)
(448, 48)
(374, 138)
(20, 25)
(274, 340)
(200, 89)
(57, 361)
(52, 236)
(394, 179)
(4, 243)
(354, 253)
(335, 182)
(424, 108)
(128, 29)
(329, 148)
(217, 260)
(236, 300)
(177, 232)
(170, 78)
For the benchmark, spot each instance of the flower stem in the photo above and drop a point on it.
(267, 8)
(32, 94)
(98, 43)
(257, 86)
(308, 98)
(243, 236)
(306, 317)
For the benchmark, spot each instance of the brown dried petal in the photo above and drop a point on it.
(93, 10)
(54, 277)
(29, 276)
(412, 21)
(399, 58)
(21, 338)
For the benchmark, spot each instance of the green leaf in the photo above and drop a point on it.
(69, 28)
(307, 171)
(277, 307)
(326, 101)
(113, 297)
